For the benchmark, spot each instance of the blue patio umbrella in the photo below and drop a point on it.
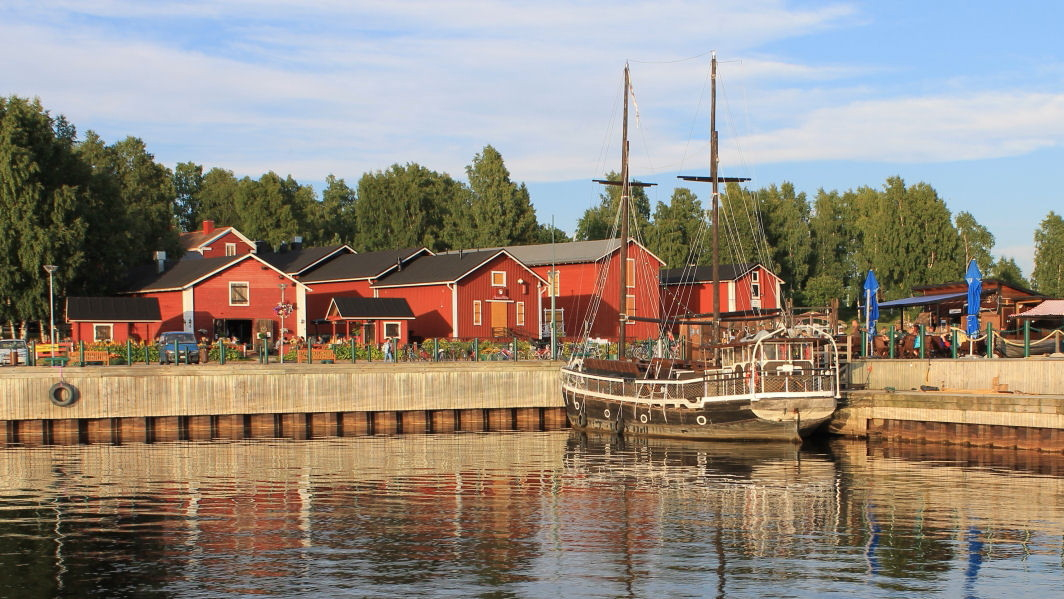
(871, 288)
(974, 278)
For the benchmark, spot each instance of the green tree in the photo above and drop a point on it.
(550, 234)
(601, 221)
(218, 198)
(785, 219)
(742, 238)
(500, 211)
(679, 230)
(403, 207)
(976, 241)
(188, 184)
(133, 216)
(333, 219)
(273, 209)
(1048, 275)
(43, 188)
(1006, 269)
(908, 237)
(836, 241)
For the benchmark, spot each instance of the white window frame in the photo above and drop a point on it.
(502, 277)
(478, 312)
(520, 318)
(629, 274)
(559, 320)
(230, 249)
(247, 298)
(110, 331)
(629, 305)
(398, 328)
(554, 280)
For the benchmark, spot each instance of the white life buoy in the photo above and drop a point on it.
(701, 420)
(643, 418)
(606, 413)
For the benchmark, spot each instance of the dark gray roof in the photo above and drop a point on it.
(295, 262)
(704, 274)
(113, 309)
(572, 252)
(372, 308)
(441, 268)
(180, 274)
(371, 265)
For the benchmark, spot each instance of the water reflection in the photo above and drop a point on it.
(528, 515)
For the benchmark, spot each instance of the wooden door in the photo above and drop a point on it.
(499, 326)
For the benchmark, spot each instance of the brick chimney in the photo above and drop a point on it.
(208, 227)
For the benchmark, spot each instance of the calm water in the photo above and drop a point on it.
(529, 515)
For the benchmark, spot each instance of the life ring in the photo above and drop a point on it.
(701, 420)
(606, 413)
(643, 418)
(63, 394)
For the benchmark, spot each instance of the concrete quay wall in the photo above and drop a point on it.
(154, 403)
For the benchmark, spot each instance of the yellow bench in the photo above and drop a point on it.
(320, 355)
(95, 356)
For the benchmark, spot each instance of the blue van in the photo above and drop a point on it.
(188, 350)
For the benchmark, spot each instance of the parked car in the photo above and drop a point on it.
(185, 343)
(14, 347)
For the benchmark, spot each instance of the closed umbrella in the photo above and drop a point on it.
(871, 288)
(974, 278)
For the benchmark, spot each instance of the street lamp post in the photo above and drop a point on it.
(51, 268)
(282, 286)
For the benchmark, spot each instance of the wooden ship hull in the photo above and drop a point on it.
(732, 405)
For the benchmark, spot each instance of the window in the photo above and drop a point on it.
(629, 302)
(520, 314)
(230, 249)
(553, 280)
(102, 332)
(498, 278)
(239, 293)
(391, 329)
(630, 273)
(477, 312)
(559, 322)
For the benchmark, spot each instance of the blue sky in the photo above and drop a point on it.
(967, 96)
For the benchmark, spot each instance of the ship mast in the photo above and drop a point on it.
(625, 208)
(715, 179)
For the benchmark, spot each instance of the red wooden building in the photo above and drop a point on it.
(744, 288)
(114, 319)
(213, 242)
(582, 271)
(350, 275)
(467, 294)
(370, 319)
(230, 296)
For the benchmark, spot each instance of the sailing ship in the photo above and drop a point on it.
(778, 383)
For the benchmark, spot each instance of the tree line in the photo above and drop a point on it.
(99, 210)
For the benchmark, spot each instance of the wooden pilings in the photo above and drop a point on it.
(163, 429)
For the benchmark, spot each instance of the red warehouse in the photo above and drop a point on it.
(466, 294)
